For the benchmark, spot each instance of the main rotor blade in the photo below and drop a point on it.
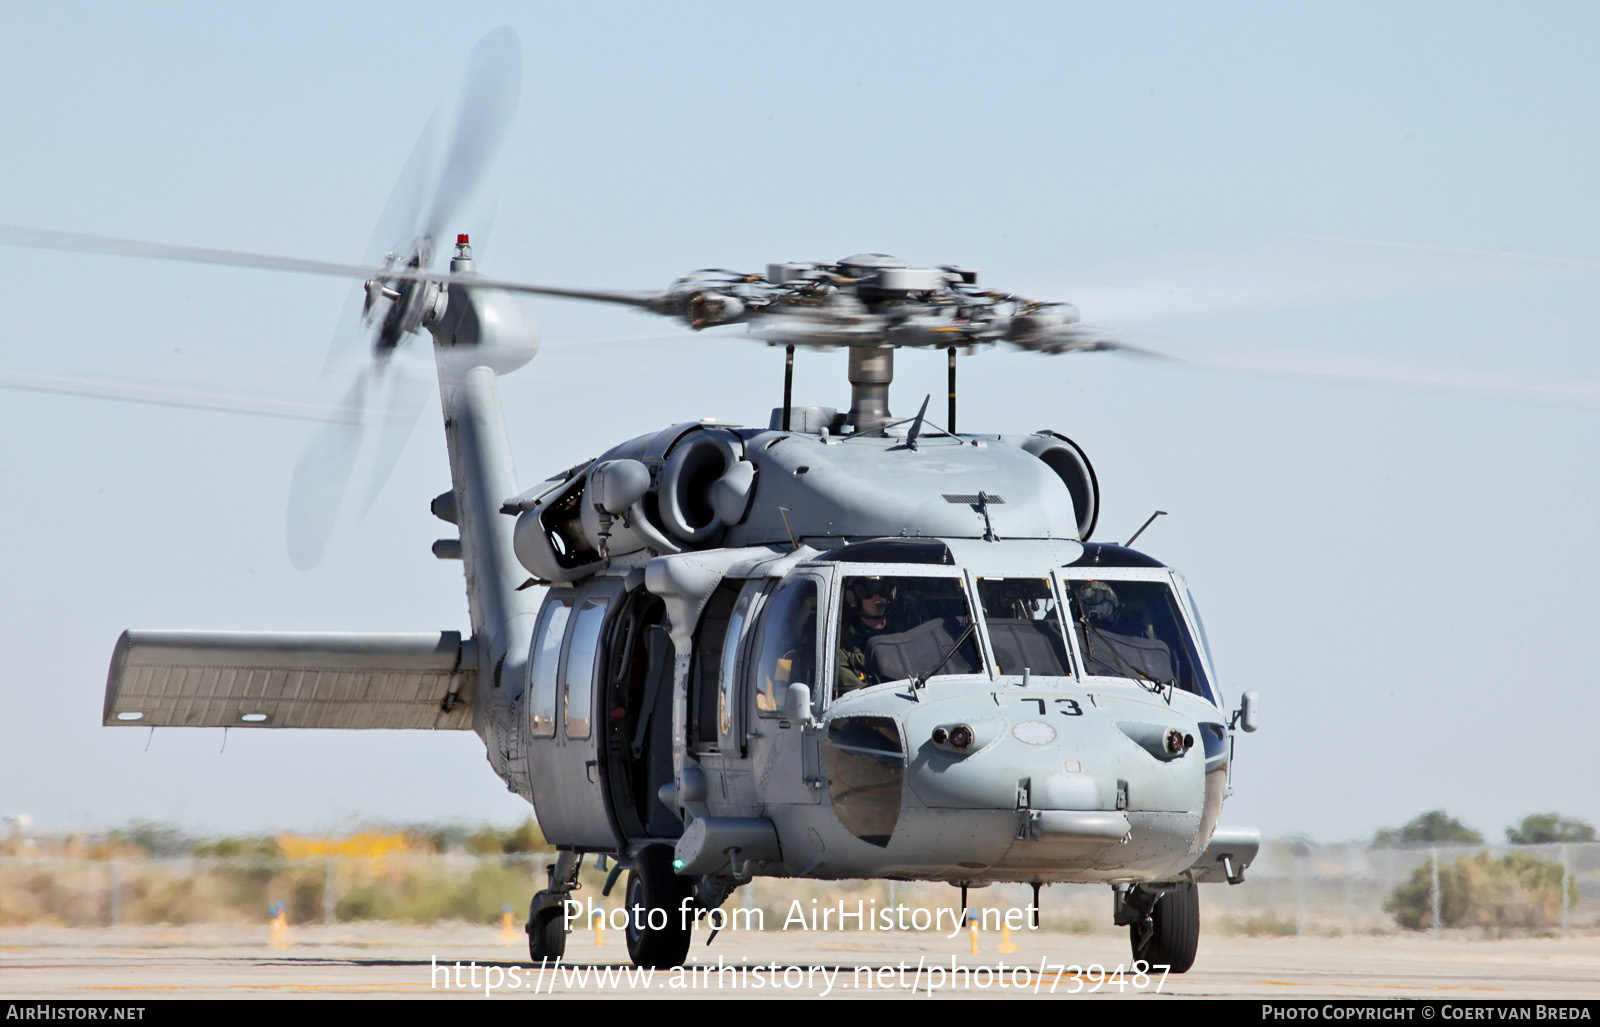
(119, 246)
(184, 397)
(1297, 273)
(1457, 251)
(1546, 390)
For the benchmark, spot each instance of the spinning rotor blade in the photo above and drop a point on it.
(395, 233)
(1504, 256)
(411, 221)
(121, 246)
(182, 395)
(488, 102)
(385, 396)
(118, 246)
(319, 482)
(1369, 371)
(406, 396)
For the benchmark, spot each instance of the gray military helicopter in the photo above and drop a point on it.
(843, 645)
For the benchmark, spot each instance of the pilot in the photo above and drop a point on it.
(1099, 604)
(1121, 641)
(866, 615)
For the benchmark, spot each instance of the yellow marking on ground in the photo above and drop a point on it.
(331, 987)
(1382, 987)
(253, 987)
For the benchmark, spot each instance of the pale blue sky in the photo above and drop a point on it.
(1407, 578)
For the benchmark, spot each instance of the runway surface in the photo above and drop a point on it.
(133, 964)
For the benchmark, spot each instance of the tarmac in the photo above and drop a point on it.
(462, 962)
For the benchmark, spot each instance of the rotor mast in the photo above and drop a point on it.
(871, 371)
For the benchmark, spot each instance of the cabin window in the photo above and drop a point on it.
(1024, 626)
(545, 660)
(892, 628)
(1135, 629)
(728, 674)
(787, 648)
(578, 680)
(706, 667)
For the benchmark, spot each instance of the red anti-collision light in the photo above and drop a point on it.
(461, 240)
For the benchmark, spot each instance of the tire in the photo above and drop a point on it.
(1175, 938)
(547, 934)
(652, 886)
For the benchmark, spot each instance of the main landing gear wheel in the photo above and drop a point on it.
(657, 934)
(547, 933)
(1174, 930)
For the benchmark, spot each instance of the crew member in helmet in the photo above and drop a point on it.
(866, 615)
(1099, 604)
(1117, 636)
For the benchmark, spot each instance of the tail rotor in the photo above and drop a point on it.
(389, 388)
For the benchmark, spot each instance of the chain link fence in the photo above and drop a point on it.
(1297, 888)
(1294, 888)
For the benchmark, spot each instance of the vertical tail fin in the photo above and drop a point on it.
(485, 332)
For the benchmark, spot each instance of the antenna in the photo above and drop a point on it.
(788, 527)
(916, 424)
(788, 383)
(952, 419)
(1146, 524)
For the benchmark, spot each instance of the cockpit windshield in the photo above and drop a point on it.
(1134, 629)
(1024, 626)
(897, 627)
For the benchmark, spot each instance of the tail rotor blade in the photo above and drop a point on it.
(432, 187)
(488, 102)
(405, 396)
(319, 483)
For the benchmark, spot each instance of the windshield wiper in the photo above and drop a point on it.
(1131, 671)
(921, 680)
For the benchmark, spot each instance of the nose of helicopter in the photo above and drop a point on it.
(976, 782)
(1048, 751)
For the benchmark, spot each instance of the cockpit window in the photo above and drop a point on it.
(788, 645)
(892, 628)
(1133, 629)
(1024, 626)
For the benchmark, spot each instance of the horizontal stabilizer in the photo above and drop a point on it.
(313, 680)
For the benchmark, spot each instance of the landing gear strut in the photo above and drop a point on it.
(547, 925)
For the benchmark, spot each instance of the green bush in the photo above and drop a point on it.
(1549, 828)
(1435, 827)
(1515, 891)
(432, 892)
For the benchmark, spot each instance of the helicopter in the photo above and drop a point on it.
(843, 645)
